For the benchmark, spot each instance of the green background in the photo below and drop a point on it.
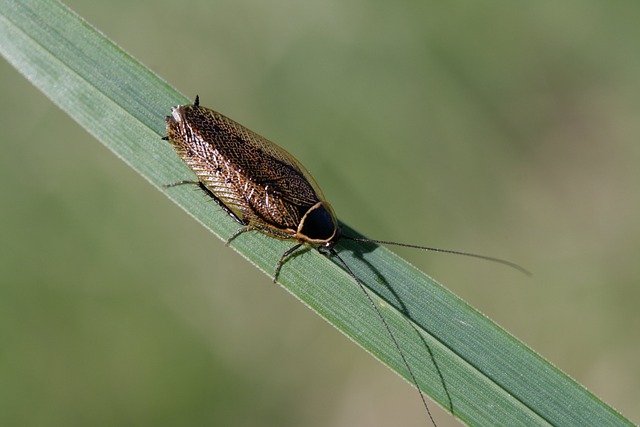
(510, 130)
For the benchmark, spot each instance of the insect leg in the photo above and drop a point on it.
(221, 204)
(213, 196)
(283, 259)
(239, 232)
(183, 182)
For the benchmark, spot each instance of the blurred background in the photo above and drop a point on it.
(510, 130)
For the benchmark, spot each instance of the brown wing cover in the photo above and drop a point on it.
(259, 181)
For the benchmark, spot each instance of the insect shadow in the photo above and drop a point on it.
(358, 250)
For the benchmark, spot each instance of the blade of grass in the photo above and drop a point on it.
(461, 359)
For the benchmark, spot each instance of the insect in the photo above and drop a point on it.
(265, 189)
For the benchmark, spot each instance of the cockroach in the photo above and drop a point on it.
(266, 189)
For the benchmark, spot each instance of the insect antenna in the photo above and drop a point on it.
(446, 251)
(332, 252)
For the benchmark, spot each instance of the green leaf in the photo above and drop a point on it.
(460, 358)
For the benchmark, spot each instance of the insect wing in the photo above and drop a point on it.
(257, 180)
